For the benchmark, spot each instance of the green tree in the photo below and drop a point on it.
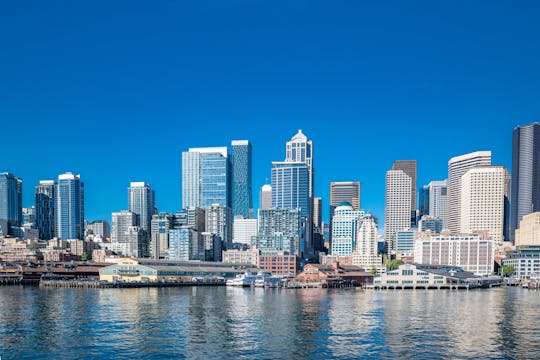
(373, 271)
(84, 256)
(508, 270)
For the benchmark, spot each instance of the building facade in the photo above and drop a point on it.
(366, 252)
(528, 232)
(69, 207)
(438, 201)
(409, 167)
(242, 201)
(290, 187)
(10, 202)
(141, 201)
(279, 229)
(525, 196)
(457, 166)
(45, 209)
(219, 221)
(344, 228)
(244, 230)
(265, 197)
(484, 193)
(397, 210)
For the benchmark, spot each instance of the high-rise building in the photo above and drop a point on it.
(457, 166)
(10, 202)
(70, 207)
(525, 197)
(265, 197)
(121, 222)
(45, 209)
(438, 201)
(344, 227)
(290, 187)
(345, 191)
(126, 236)
(244, 230)
(241, 194)
(430, 223)
(196, 218)
(212, 246)
(528, 232)
(185, 244)
(279, 229)
(317, 212)
(366, 251)
(423, 201)
(206, 177)
(483, 193)
(219, 221)
(397, 210)
(141, 202)
(300, 150)
(409, 167)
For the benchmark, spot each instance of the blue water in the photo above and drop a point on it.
(219, 322)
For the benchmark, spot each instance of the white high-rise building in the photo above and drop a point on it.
(438, 201)
(265, 197)
(397, 210)
(483, 193)
(219, 221)
(300, 150)
(141, 200)
(365, 253)
(457, 166)
(244, 230)
(344, 228)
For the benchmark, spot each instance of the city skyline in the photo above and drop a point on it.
(365, 84)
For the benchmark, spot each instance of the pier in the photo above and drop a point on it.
(57, 283)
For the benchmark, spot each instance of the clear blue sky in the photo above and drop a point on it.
(116, 90)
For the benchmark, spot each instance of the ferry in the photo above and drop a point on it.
(242, 280)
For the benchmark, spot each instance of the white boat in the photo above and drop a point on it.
(245, 279)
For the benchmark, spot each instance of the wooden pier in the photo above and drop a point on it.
(106, 285)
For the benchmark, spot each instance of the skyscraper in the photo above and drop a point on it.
(525, 197)
(141, 201)
(241, 194)
(99, 228)
(457, 166)
(290, 187)
(345, 191)
(265, 197)
(205, 177)
(10, 202)
(397, 210)
(45, 209)
(300, 150)
(409, 167)
(70, 207)
(244, 230)
(159, 239)
(483, 193)
(423, 201)
(121, 221)
(317, 212)
(366, 251)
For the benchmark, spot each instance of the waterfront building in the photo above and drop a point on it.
(45, 209)
(250, 256)
(141, 201)
(279, 229)
(484, 194)
(422, 276)
(10, 202)
(528, 232)
(219, 221)
(397, 210)
(409, 167)
(290, 187)
(366, 252)
(431, 223)
(69, 207)
(457, 166)
(525, 197)
(241, 194)
(344, 228)
(265, 197)
(404, 240)
(334, 274)
(277, 262)
(146, 270)
(472, 252)
(244, 230)
(99, 228)
(525, 259)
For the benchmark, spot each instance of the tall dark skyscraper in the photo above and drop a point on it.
(45, 209)
(69, 208)
(242, 200)
(10, 202)
(525, 193)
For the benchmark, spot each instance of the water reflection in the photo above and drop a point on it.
(267, 324)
